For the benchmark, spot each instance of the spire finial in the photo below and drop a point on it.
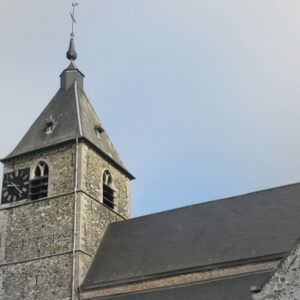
(72, 54)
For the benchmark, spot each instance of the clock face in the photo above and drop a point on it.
(15, 186)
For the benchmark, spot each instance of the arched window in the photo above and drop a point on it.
(108, 192)
(39, 182)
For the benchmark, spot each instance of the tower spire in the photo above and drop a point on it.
(71, 53)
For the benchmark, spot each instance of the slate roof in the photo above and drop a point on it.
(72, 116)
(235, 288)
(248, 228)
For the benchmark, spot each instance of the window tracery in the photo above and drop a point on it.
(39, 183)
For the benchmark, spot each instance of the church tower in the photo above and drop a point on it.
(62, 185)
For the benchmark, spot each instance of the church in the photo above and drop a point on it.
(66, 231)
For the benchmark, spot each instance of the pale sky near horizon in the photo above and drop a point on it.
(200, 98)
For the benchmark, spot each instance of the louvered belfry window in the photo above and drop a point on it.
(39, 183)
(108, 192)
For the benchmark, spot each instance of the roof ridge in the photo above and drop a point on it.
(78, 109)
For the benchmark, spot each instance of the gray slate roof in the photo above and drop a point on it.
(236, 288)
(73, 117)
(248, 228)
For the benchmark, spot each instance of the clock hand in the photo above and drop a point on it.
(14, 185)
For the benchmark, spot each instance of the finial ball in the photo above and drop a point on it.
(71, 54)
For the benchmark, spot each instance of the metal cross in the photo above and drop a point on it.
(72, 14)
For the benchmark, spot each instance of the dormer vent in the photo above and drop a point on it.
(98, 130)
(49, 127)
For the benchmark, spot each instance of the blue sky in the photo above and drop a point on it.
(200, 98)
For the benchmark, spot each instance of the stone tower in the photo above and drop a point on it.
(62, 185)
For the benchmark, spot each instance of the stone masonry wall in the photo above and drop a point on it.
(44, 279)
(61, 162)
(41, 229)
(94, 216)
(285, 282)
(36, 237)
(93, 166)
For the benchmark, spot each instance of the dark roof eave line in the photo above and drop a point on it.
(205, 281)
(107, 157)
(111, 160)
(277, 256)
(14, 156)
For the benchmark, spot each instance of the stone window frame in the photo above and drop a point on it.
(112, 186)
(46, 179)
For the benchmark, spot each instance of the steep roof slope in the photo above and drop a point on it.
(62, 111)
(71, 116)
(235, 288)
(247, 228)
(90, 122)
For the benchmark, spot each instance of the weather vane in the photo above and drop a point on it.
(72, 54)
(72, 14)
